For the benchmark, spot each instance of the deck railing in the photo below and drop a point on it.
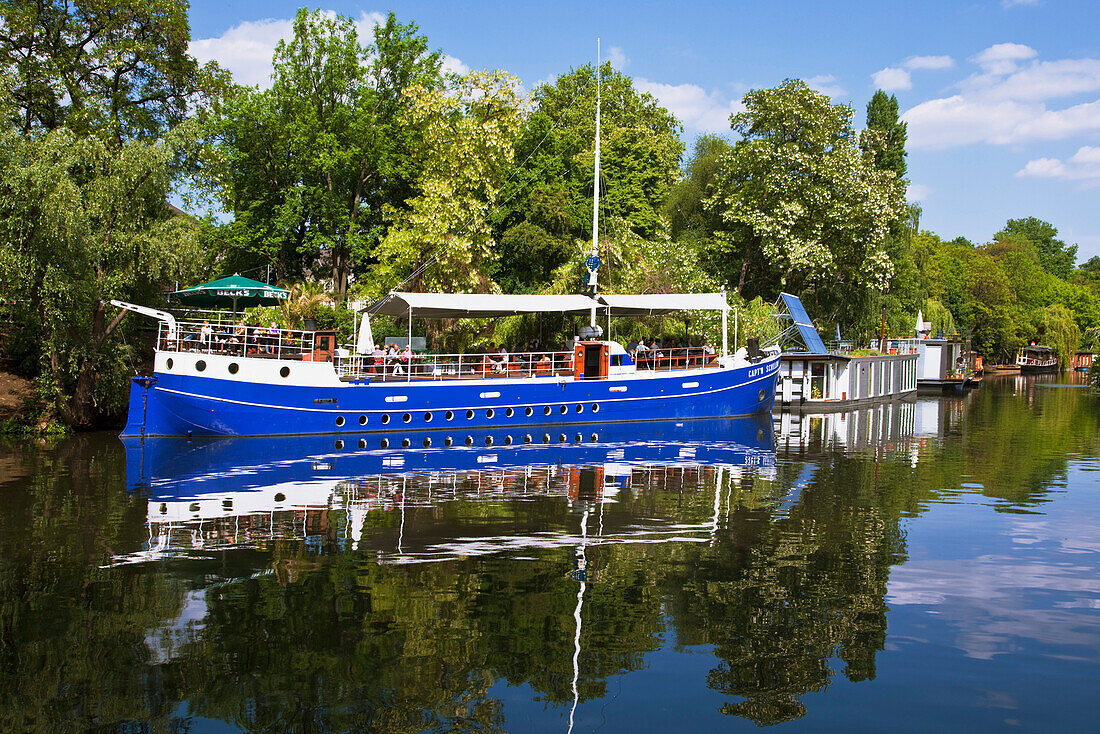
(252, 341)
(675, 358)
(269, 343)
(454, 366)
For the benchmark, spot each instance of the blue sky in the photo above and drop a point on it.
(1002, 97)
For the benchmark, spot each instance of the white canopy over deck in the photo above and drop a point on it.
(492, 305)
(656, 304)
(489, 305)
(480, 305)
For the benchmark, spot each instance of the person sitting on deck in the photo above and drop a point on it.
(544, 367)
(272, 334)
(500, 363)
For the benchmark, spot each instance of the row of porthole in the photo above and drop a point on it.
(448, 441)
(234, 368)
(489, 413)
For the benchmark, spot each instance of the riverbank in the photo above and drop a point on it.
(21, 412)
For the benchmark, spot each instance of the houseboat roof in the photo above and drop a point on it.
(490, 305)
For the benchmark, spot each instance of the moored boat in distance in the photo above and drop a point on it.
(278, 382)
(1037, 358)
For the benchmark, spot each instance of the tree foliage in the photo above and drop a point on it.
(549, 197)
(802, 208)
(882, 118)
(114, 69)
(310, 167)
(443, 239)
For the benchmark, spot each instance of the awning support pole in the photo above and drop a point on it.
(725, 319)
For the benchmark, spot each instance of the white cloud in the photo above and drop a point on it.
(827, 85)
(917, 192)
(1001, 58)
(929, 62)
(1006, 102)
(890, 79)
(1084, 165)
(696, 108)
(450, 64)
(617, 58)
(246, 48)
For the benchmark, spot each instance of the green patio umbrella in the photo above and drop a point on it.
(231, 291)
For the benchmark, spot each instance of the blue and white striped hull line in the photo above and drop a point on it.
(195, 394)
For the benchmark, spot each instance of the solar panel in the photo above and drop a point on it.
(805, 325)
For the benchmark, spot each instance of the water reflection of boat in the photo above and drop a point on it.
(299, 482)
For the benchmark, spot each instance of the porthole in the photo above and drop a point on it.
(405, 443)
(546, 410)
(595, 437)
(527, 438)
(169, 363)
(449, 415)
(469, 440)
(339, 421)
(284, 372)
(507, 440)
(546, 438)
(200, 365)
(385, 419)
(280, 497)
(469, 415)
(490, 413)
(509, 413)
(163, 508)
(595, 407)
(384, 443)
(428, 417)
(407, 417)
(562, 438)
(578, 438)
(362, 420)
(448, 442)
(529, 412)
(194, 507)
(760, 397)
(563, 409)
(234, 368)
(339, 443)
(580, 408)
(488, 440)
(427, 442)
(362, 443)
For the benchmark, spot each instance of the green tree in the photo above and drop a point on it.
(81, 223)
(882, 117)
(1056, 257)
(798, 197)
(548, 200)
(116, 70)
(310, 167)
(443, 239)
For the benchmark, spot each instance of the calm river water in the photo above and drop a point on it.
(932, 565)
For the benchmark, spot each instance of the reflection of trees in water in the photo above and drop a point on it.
(325, 638)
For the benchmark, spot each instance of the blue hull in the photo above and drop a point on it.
(177, 404)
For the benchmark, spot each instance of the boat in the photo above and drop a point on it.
(1037, 358)
(299, 382)
(275, 382)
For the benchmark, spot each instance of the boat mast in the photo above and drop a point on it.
(596, 187)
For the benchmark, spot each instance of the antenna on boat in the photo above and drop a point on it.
(593, 262)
